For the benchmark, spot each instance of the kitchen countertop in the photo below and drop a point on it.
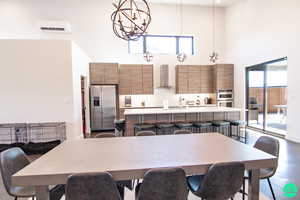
(180, 110)
(172, 107)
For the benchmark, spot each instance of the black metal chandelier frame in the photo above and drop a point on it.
(133, 31)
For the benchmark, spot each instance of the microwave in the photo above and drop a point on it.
(223, 95)
(228, 104)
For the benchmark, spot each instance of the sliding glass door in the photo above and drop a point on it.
(266, 96)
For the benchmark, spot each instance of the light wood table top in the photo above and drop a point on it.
(130, 157)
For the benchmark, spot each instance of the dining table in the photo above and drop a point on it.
(128, 158)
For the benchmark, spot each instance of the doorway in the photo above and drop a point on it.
(83, 105)
(266, 96)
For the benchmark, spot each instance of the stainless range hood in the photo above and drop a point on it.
(164, 77)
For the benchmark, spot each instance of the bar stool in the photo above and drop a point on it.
(221, 127)
(184, 126)
(144, 127)
(165, 128)
(203, 127)
(237, 124)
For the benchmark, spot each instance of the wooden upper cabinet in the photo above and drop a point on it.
(224, 77)
(136, 79)
(148, 79)
(104, 73)
(194, 79)
(125, 80)
(182, 80)
(206, 79)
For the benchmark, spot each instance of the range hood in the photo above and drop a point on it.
(164, 77)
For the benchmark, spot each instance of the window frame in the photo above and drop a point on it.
(177, 37)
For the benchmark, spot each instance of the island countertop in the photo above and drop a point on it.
(180, 110)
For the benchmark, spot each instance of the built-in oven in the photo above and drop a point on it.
(225, 95)
(228, 103)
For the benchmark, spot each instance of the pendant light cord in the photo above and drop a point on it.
(214, 24)
(181, 17)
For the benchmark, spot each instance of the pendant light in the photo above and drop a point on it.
(148, 56)
(131, 19)
(214, 55)
(181, 56)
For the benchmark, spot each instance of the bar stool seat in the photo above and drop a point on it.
(222, 127)
(236, 123)
(161, 126)
(203, 127)
(165, 128)
(144, 127)
(184, 125)
(202, 124)
(220, 123)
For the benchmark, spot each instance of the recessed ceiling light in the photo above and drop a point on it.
(218, 1)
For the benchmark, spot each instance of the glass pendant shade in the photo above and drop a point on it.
(181, 57)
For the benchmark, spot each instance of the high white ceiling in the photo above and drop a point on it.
(222, 3)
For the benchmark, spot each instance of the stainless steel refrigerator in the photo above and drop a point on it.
(103, 107)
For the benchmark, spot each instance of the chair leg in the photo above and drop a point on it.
(271, 188)
(244, 188)
(16, 198)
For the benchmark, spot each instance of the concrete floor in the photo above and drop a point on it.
(275, 123)
(288, 171)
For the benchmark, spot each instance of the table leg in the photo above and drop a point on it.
(253, 188)
(42, 192)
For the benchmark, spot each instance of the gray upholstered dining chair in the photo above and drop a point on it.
(13, 160)
(105, 135)
(222, 181)
(92, 186)
(270, 146)
(145, 133)
(163, 184)
(182, 131)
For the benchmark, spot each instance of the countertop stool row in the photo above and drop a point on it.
(228, 128)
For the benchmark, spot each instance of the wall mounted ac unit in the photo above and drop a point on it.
(55, 26)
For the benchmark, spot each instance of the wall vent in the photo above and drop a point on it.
(55, 26)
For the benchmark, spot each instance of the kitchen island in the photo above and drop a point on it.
(175, 115)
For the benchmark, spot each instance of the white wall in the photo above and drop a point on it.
(40, 82)
(92, 31)
(80, 67)
(259, 31)
(35, 81)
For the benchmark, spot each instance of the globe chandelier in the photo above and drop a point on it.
(131, 19)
